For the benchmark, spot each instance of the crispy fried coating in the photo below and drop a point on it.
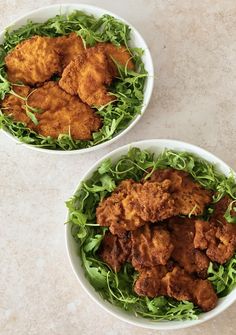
(217, 237)
(68, 47)
(60, 113)
(190, 197)
(33, 61)
(180, 285)
(151, 246)
(14, 106)
(175, 283)
(149, 282)
(118, 54)
(63, 113)
(133, 204)
(115, 250)
(87, 76)
(182, 232)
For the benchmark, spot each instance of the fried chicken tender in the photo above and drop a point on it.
(14, 106)
(149, 282)
(87, 76)
(63, 113)
(176, 283)
(118, 54)
(115, 250)
(182, 231)
(151, 246)
(180, 285)
(68, 47)
(60, 113)
(217, 237)
(33, 61)
(133, 204)
(189, 196)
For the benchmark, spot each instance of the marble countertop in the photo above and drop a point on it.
(193, 46)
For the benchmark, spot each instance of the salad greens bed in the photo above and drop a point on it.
(128, 88)
(117, 287)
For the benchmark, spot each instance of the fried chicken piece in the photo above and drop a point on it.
(15, 106)
(133, 204)
(151, 246)
(149, 282)
(190, 197)
(110, 212)
(63, 114)
(118, 54)
(217, 237)
(180, 285)
(60, 113)
(115, 250)
(68, 47)
(175, 283)
(87, 76)
(182, 232)
(33, 61)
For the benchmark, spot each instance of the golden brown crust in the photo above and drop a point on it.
(133, 204)
(88, 76)
(151, 246)
(190, 197)
(217, 237)
(115, 250)
(68, 47)
(120, 54)
(149, 282)
(15, 107)
(180, 285)
(60, 113)
(182, 231)
(33, 61)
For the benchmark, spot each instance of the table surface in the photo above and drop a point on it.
(194, 52)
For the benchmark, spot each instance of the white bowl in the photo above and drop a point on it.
(156, 146)
(43, 14)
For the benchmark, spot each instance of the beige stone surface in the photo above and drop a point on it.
(193, 44)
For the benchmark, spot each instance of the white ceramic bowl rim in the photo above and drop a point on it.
(97, 11)
(74, 259)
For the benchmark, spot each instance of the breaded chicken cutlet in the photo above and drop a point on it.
(87, 76)
(60, 113)
(182, 231)
(177, 284)
(115, 250)
(167, 193)
(151, 246)
(33, 61)
(68, 47)
(133, 204)
(38, 58)
(189, 196)
(92, 72)
(217, 236)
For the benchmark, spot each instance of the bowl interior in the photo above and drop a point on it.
(44, 13)
(156, 146)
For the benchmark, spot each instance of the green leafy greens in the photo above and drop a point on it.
(117, 288)
(128, 88)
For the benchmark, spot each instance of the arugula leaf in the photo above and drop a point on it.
(105, 166)
(230, 212)
(223, 277)
(5, 86)
(31, 116)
